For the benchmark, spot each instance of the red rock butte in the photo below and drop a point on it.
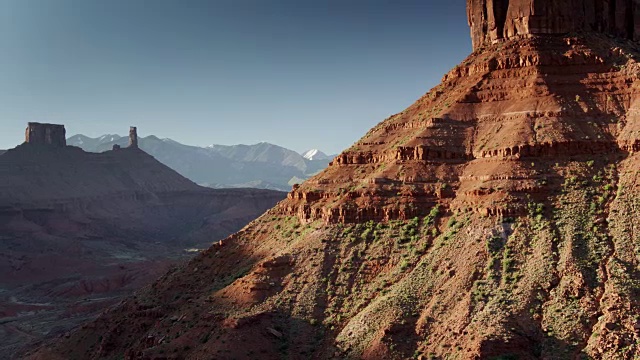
(493, 20)
(45, 134)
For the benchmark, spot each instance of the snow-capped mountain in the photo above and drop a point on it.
(262, 165)
(100, 144)
(315, 154)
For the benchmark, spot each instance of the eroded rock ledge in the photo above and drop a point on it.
(546, 149)
(404, 197)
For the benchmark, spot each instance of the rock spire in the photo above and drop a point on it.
(133, 137)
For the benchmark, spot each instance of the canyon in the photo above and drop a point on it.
(80, 231)
(495, 218)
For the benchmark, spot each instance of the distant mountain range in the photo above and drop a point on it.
(263, 165)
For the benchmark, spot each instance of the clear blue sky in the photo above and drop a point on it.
(297, 73)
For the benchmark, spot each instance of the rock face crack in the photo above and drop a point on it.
(630, 19)
(500, 8)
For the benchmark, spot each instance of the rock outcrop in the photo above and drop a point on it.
(45, 134)
(493, 20)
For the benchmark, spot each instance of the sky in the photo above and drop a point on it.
(297, 73)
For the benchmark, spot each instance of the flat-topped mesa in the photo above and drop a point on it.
(45, 134)
(494, 20)
(133, 137)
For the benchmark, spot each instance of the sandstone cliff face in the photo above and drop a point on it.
(473, 142)
(46, 134)
(492, 20)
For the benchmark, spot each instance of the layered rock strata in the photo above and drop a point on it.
(489, 136)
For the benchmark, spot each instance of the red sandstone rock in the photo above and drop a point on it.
(45, 134)
(508, 107)
(492, 20)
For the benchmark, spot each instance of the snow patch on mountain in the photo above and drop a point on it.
(315, 154)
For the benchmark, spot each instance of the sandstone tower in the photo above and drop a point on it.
(493, 20)
(133, 137)
(45, 134)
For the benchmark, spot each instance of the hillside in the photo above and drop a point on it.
(261, 165)
(31, 173)
(495, 218)
(79, 231)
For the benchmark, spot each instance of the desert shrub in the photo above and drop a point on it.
(494, 244)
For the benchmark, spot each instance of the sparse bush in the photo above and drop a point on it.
(404, 265)
(494, 244)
